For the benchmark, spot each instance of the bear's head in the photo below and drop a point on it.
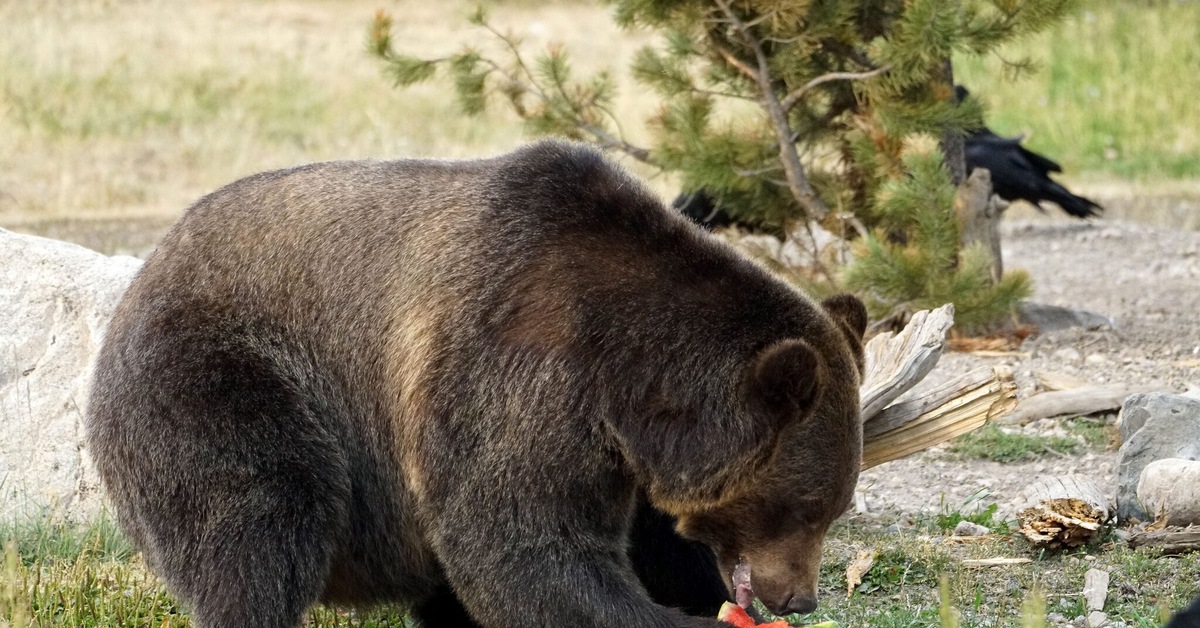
(777, 522)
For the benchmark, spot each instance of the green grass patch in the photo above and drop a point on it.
(987, 516)
(1144, 588)
(1098, 433)
(1113, 93)
(993, 443)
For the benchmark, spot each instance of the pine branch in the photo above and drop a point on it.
(531, 86)
(797, 180)
(792, 99)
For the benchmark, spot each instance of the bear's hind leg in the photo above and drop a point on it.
(236, 481)
(262, 568)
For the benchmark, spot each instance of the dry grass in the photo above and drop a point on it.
(134, 108)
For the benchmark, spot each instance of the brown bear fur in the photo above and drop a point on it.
(372, 381)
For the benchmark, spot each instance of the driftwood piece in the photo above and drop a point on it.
(1062, 511)
(947, 411)
(1167, 540)
(1055, 381)
(1076, 401)
(896, 362)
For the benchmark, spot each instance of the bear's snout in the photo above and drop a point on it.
(802, 604)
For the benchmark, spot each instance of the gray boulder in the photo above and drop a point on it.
(55, 302)
(1154, 426)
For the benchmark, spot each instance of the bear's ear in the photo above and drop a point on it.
(786, 377)
(851, 316)
(849, 311)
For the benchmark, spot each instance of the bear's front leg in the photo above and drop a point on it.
(519, 558)
(557, 586)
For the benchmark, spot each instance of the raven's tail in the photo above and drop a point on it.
(1073, 204)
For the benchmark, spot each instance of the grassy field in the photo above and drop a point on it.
(57, 575)
(1115, 93)
(134, 108)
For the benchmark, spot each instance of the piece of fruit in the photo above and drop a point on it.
(735, 615)
(738, 617)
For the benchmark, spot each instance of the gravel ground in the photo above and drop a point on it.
(1145, 278)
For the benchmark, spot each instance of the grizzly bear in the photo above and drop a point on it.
(442, 382)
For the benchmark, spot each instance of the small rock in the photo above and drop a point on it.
(1096, 619)
(967, 528)
(1170, 489)
(1066, 354)
(1096, 359)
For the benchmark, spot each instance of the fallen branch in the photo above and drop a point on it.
(999, 561)
(1077, 401)
(1167, 541)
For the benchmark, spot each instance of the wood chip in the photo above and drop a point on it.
(1095, 589)
(857, 569)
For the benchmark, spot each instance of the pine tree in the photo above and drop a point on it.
(848, 96)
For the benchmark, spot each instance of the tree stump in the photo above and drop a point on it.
(1063, 511)
(978, 214)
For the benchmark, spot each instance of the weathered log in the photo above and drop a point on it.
(896, 362)
(1063, 511)
(945, 412)
(1076, 401)
(1167, 541)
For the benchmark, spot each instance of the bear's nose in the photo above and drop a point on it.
(802, 604)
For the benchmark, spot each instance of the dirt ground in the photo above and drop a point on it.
(1144, 277)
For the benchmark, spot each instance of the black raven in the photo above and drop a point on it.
(1019, 173)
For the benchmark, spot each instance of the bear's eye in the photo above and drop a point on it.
(786, 517)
